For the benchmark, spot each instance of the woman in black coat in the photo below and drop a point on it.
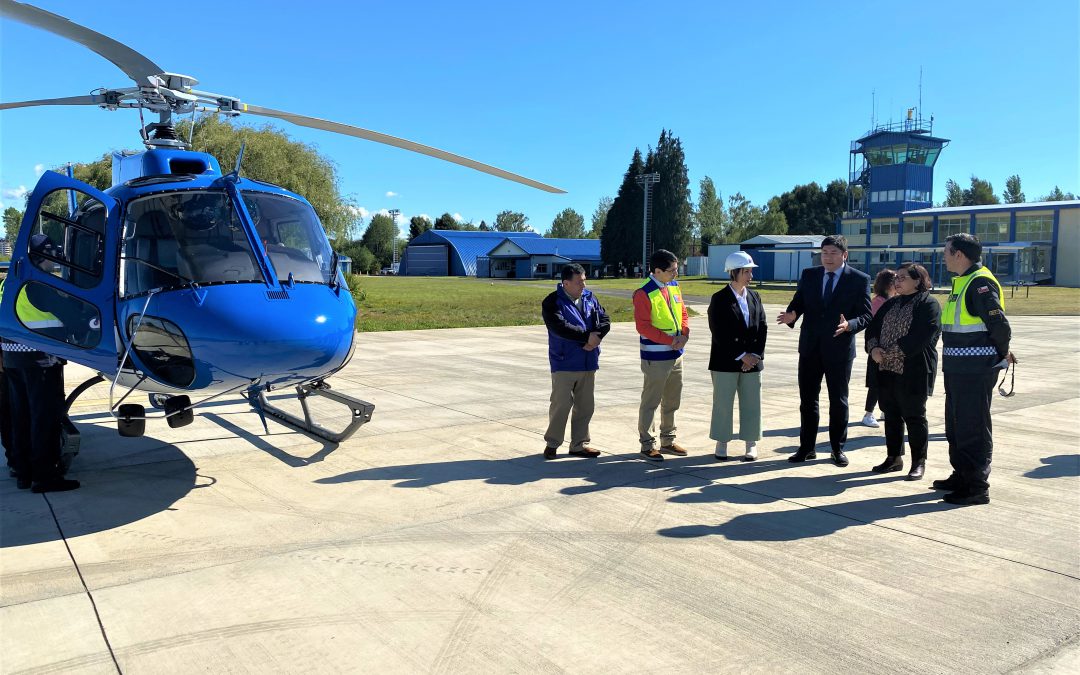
(902, 341)
(737, 323)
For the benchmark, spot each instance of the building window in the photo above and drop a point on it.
(916, 226)
(992, 228)
(1035, 228)
(884, 227)
(950, 226)
(541, 268)
(853, 228)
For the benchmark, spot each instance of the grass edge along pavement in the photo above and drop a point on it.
(416, 303)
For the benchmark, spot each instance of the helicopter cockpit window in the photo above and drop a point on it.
(292, 235)
(174, 238)
(70, 244)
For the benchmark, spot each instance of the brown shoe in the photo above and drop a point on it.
(673, 449)
(585, 451)
(652, 454)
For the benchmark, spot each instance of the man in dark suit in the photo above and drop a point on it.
(834, 301)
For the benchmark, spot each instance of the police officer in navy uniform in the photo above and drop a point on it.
(975, 337)
(36, 390)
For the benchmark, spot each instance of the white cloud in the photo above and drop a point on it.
(39, 169)
(16, 193)
(359, 211)
(427, 217)
(391, 193)
(458, 217)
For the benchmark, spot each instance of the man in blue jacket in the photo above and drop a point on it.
(576, 324)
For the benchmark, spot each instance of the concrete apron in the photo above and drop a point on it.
(438, 540)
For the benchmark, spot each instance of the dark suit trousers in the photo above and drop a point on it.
(968, 427)
(812, 367)
(37, 411)
(903, 408)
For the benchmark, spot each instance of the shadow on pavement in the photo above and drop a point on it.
(1056, 466)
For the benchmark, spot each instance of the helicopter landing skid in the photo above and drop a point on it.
(361, 411)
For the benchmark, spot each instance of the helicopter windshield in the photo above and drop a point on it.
(292, 235)
(177, 237)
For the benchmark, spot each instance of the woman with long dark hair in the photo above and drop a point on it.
(883, 290)
(902, 341)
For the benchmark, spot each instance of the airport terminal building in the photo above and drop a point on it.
(891, 217)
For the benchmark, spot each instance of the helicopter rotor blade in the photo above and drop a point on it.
(92, 99)
(367, 134)
(134, 64)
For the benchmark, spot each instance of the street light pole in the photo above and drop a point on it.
(394, 213)
(646, 181)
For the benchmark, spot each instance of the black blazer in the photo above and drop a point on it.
(730, 334)
(851, 297)
(919, 345)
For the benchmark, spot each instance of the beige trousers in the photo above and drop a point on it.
(748, 387)
(663, 389)
(570, 390)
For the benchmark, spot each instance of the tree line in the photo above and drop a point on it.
(982, 192)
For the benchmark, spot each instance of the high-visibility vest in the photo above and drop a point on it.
(665, 315)
(966, 346)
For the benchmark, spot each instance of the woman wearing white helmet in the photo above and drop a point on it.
(737, 323)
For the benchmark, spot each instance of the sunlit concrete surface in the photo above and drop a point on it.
(438, 540)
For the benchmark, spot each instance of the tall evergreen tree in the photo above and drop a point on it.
(710, 215)
(954, 194)
(446, 222)
(620, 240)
(599, 217)
(671, 207)
(980, 192)
(1013, 194)
(810, 210)
(417, 226)
(1056, 195)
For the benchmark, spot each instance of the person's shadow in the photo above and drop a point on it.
(1056, 466)
(116, 491)
(807, 522)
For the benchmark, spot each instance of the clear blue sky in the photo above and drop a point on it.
(764, 95)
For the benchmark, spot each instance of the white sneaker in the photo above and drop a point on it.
(869, 421)
(751, 451)
(721, 451)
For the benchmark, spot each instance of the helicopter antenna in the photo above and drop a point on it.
(239, 159)
(142, 127)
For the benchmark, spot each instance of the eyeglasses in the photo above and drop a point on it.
(672, 270)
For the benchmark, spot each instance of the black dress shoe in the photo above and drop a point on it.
(916, 472)
(549, 453)
(891, 463)
(839, 458)
(22, 483)
(952, 484)
(55, 485)
(802, 456)
(967, 498)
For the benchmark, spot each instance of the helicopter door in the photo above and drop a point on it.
(58, 297)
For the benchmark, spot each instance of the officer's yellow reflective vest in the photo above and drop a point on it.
(666, 316)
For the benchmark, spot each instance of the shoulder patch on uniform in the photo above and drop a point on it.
(984, 289)
(995, 312)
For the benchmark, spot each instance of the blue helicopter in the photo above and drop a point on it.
(180, 280)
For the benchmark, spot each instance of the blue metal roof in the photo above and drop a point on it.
(467, 246)
(572, 249)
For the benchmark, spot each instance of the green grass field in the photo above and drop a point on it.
(410, 303)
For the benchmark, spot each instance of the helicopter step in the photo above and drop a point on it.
(361, 411)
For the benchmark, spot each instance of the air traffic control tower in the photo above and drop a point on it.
(894, 166)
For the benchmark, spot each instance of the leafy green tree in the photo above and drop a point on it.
(980, 192)
(1013, 194)
(954, 194)
(775, 222)
(599, 217)
(12, 221)
(512, 221)
(1056, 195)
(810, 210)
(671, 207)
(745, 218)
(710, 214)
(446, 222)
(569, 224)
(379, 238)
(620, 240)
(365, 262)
(417, 226)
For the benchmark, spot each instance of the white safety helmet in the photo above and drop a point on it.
(738, 260)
